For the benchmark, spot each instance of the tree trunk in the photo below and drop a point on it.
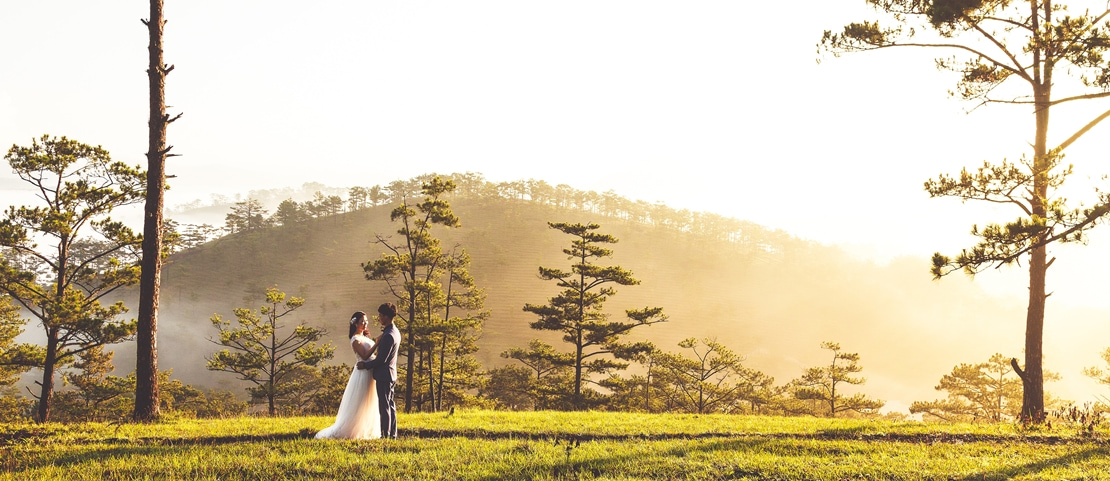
(432, 399)
(578, 402)
(49, 363)
(441, 356)
(48, 375)
(270, 390)
(442, 375)
(412, 349)
(701, 399)
(1032, 379)
(146, 355)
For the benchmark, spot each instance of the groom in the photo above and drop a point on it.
(385, 369)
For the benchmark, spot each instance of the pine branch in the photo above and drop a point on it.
(1017, 369)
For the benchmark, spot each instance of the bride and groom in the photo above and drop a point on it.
(370, 387)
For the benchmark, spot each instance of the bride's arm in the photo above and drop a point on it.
(362, 350)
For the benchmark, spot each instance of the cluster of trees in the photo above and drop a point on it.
(97, 395)
(986, 391)
(707, 377)
(86, 255)
(442, 316)
(609, 204)
(1011, 53)
(1039, 45)
(441, 309)
(251, 213)
(15, 359)
(58, 262)
(992, 391)
(422, 277)
(711, 378)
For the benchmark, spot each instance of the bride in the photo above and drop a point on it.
(358, 410)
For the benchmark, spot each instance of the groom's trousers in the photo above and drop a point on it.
(387, 408)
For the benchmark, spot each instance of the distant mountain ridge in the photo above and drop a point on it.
(471, 186)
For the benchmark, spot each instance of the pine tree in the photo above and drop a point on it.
(146, 355)
(822, 384)
(1034, 54)
(548, 381)
(260, 352)
(53, 266)
(576, 312)
(246, 216)
(15, 359)
(96, 395)
(713, 380)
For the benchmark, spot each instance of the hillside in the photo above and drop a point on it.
(774, 301)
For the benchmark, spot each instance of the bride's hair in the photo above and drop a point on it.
(355, 318)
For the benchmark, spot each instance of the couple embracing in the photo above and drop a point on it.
(370, 388)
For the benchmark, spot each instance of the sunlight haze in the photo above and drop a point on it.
(715, 106)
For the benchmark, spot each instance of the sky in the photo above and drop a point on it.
(718, 106)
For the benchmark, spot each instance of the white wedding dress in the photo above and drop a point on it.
(358, 416)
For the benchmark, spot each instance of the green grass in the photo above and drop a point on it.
(488, 445)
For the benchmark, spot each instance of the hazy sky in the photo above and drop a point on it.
(711, 106)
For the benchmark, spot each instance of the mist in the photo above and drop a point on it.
(773, 297)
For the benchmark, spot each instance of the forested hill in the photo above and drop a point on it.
(765, 294)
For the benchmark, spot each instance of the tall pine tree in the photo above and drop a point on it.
(1034, 54)
(146, 353)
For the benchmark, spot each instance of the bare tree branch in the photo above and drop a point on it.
(1018, 70)
(1001, 47)
(1090, 125)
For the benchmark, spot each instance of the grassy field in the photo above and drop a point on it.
(487, 445)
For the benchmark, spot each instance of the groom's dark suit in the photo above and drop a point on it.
(385, 376)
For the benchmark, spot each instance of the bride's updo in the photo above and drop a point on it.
(355, 318)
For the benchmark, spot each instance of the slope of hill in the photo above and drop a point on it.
(773, 302)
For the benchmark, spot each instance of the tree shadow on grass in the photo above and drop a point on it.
(733, 464)
(803, 448)
(868, 434)
(31, 435)
(1035, 467)
(574, 466)
(116, 448)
